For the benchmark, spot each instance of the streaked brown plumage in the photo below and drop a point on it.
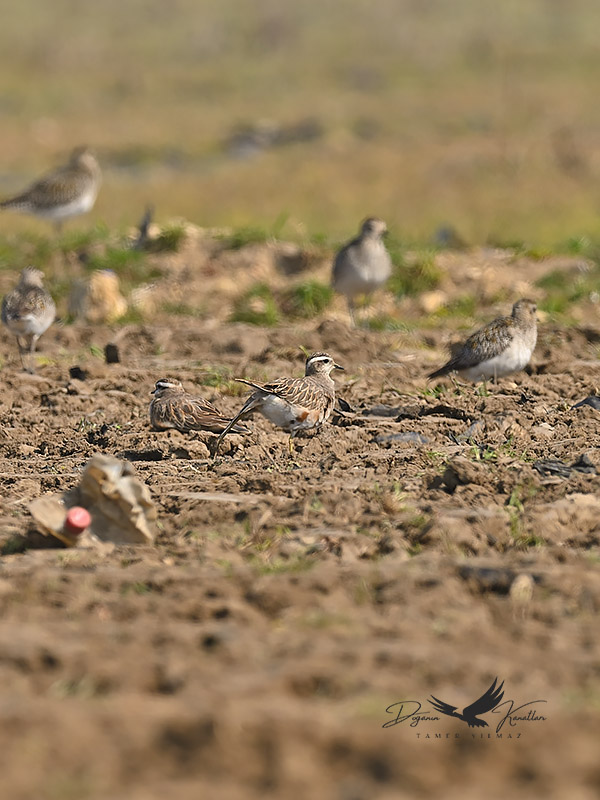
(28, 311)
(173, 407)
(65, 192)
(293, 404)
(501, 347)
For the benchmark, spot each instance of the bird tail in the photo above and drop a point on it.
(253, 385)
(238, 428)
(232, 424)
(14, 203)
(439, 373)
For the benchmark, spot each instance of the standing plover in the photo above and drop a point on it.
(173, 407)
(66, 192)
(293, 404)
(362, 265)
(499, 348)
(28, 311)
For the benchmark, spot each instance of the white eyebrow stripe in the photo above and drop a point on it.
(319, 358)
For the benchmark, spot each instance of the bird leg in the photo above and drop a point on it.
(351, 311)
(22, 350)
(455, 383)
(291, 445)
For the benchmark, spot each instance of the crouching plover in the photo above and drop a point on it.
(499, 348)
(294, 404)
(28, 311)
(66, 192)
(173, 407)
(362, 265)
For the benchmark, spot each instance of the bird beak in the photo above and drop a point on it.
(153, 391)
(337, 366)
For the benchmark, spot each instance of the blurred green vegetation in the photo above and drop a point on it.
(412, 277)
(563, 288)
(256, 306)
(479, 116)
(307, 299)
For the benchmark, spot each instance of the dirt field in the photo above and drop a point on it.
(253, 651)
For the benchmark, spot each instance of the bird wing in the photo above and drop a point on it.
(443, 708)
(296, 391)
(195, 413)
(57, 188)
(18, 304)
(480, 346)
(339, 263)
(488, 341)
(486, 702)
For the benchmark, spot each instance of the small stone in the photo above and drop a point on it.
(111, 354)
(432, 301)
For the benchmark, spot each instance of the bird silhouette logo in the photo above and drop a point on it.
(470, 714)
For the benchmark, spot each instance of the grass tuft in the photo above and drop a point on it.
(563, 288)
(413, 278)
(257, 307)
(170, 239)
(249, 234)
(308, 299)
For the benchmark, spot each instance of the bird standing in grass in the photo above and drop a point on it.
(363, 265)
(499, 348)
(293, 404)
(28, 311)
(66, 192)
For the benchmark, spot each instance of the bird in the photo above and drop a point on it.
(68, 191)
(363, 264)
(28, 311)
(173, 407)
(499, 348)
(294, 404)
(486, 702)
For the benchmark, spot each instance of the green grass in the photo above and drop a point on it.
(426, 124)
(245, 235)
(564, 288)
(385, 322)
(170, 239)
(22, 250)
(415, 276)
(308, 299)
(220, 378)
(279, 566)
(81, 239)
(465, 307)
(257, 307)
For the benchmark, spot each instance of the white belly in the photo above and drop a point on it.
(80, 205)
(279, 412)
(514, 358)
(30, 324)
(363, 272)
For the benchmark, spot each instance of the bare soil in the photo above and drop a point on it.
(287, 602)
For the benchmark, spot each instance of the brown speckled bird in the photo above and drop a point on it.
(173, 407)
(28, 311)
(66, 192)
(294, 404)
(499, 348)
